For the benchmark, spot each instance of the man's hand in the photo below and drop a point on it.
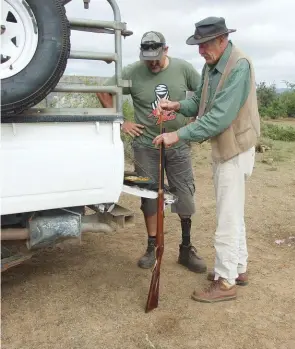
(165, 104)
(132, 129)
(167, 138)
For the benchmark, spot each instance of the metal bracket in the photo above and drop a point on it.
(77, 24)
(103, 56)
(14, 129)
(86, 4)
(118, 29)
(124, 32)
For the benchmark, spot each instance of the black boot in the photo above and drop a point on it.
(149, 258)
(187, 252)
(189, 258)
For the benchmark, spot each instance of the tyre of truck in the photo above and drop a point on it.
(35, 47)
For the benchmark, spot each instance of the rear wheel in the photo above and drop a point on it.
(35, 46)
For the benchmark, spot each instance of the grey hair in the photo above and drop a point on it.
(224, 36)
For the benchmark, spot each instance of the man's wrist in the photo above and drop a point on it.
(174, 106)
(181, 106)
(182, 133)
(177, 106)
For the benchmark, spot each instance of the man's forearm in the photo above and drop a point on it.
(106, 99)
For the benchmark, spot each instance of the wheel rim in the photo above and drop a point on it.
(19, 37)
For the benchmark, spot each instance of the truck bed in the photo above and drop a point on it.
(48, 165)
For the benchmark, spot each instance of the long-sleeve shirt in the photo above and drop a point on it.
(226, 105)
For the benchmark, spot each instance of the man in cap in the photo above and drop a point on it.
(154, 77)
(227, 114)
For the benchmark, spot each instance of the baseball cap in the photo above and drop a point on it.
(151, 46)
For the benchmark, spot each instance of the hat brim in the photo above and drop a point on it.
(151, 55)
(193, 41)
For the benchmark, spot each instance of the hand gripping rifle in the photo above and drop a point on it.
(153, 297)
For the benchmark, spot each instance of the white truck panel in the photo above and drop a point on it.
(54, 165)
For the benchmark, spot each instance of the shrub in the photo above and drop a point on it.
(288, 100)
(276, 105)
(278, 133)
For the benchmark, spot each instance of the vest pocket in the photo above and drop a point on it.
(244, 131)
(246, 139)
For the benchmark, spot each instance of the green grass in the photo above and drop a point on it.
(128, 111)
(278, 151)
(278, 132)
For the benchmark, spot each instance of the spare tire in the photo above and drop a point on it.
(35, 47)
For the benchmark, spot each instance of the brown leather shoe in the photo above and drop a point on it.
(218, 291)
(241, 280)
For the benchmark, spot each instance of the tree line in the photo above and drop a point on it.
(273, 104)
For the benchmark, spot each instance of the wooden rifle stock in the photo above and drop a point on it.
(153, 296)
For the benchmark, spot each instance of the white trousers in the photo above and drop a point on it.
(230, 236)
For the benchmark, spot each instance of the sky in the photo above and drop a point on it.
(265, 32)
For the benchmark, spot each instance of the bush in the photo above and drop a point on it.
(128, 110)
(128, 113)
(276, 105)
(278, 133)
(288, 100)
(265, 95)
(277, 109)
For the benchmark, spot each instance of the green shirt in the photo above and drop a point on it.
(147, 88)
(227, 103)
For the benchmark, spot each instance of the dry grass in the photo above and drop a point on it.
(93, 295)
(285, 121)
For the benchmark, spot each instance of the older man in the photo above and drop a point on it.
(155, 76)
(226, 105)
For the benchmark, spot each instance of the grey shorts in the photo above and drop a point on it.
(179, 173)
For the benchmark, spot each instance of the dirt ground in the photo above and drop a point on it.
(93, 295)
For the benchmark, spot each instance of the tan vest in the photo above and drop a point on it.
(242, 134)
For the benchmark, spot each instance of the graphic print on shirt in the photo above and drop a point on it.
(161, 91)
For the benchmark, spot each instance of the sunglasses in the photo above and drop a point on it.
(151, 46)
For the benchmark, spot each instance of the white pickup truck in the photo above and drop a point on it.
(55, 162)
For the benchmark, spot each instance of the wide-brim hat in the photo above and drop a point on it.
(152, 46)
(208, 29)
